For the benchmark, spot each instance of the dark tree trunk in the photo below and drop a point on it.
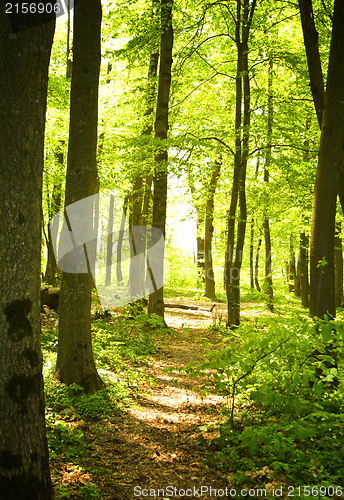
(200, 255)
(322, 281)
(297, 278)
(209, 230)
(54, 206)
(119, 275)
(75, 362)
(234, 251)
(256, 267)
(266, 223)
(338, 266)
(304, 283)
(156, 298)
(24, 61)
(252, 255)
(310, 36)
(109, 243)
(291, 270)
(138, 247)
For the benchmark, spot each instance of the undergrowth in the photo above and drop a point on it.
(283, 421)
(122, 343)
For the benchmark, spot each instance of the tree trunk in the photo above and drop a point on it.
(54, 207)
(138, 247)
(24, 61)
(75, 362)
(252, 255)
(322, 281)
(256, 268)
(119, 275)
(209, 230)
(109, 243)
(304, 283)
(156, 298)
(266, 224)
(338, 266)
(233, 257)
(291, 271)
(310, 36)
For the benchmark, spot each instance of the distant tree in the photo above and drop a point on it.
(24, 61)
(209, 229)
(75, 362)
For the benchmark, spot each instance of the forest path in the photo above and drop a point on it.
(153, 444)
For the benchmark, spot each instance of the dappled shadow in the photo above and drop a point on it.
(154, 443)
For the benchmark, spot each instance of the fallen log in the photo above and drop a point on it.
(193, 308)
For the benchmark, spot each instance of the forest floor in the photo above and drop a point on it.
(154, 443)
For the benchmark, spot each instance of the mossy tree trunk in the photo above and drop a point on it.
(24, 61)
(75, 362)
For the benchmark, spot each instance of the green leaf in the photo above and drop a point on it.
(326, 332)
(319, 388)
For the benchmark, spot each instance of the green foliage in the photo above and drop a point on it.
(66, 441)
(285, 399)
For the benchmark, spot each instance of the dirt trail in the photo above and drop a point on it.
(153, 444)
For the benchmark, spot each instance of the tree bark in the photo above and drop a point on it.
(156, 298)
(75, 362)
(24, 61)
(256, 267)
(138, 247)
(310, 36)
(54, 203)
(209, 230)
(304, 283)
(330, 161)
(234, 251)
(266, 224)
(338, 266)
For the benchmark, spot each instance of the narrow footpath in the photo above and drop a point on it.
(155, 444)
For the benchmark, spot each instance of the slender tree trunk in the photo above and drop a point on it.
(297, 278)
(304, 283)
(209, 230)
(200, 254)
(256, 268)
(156, 298)
(291, 271)
(266, 223)
(24, 61)
(119, 275)
(54, 206)
(252, 255)
(109, 243)
(75, 362)
(138, 247)
(233, 257)
(338, 265)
